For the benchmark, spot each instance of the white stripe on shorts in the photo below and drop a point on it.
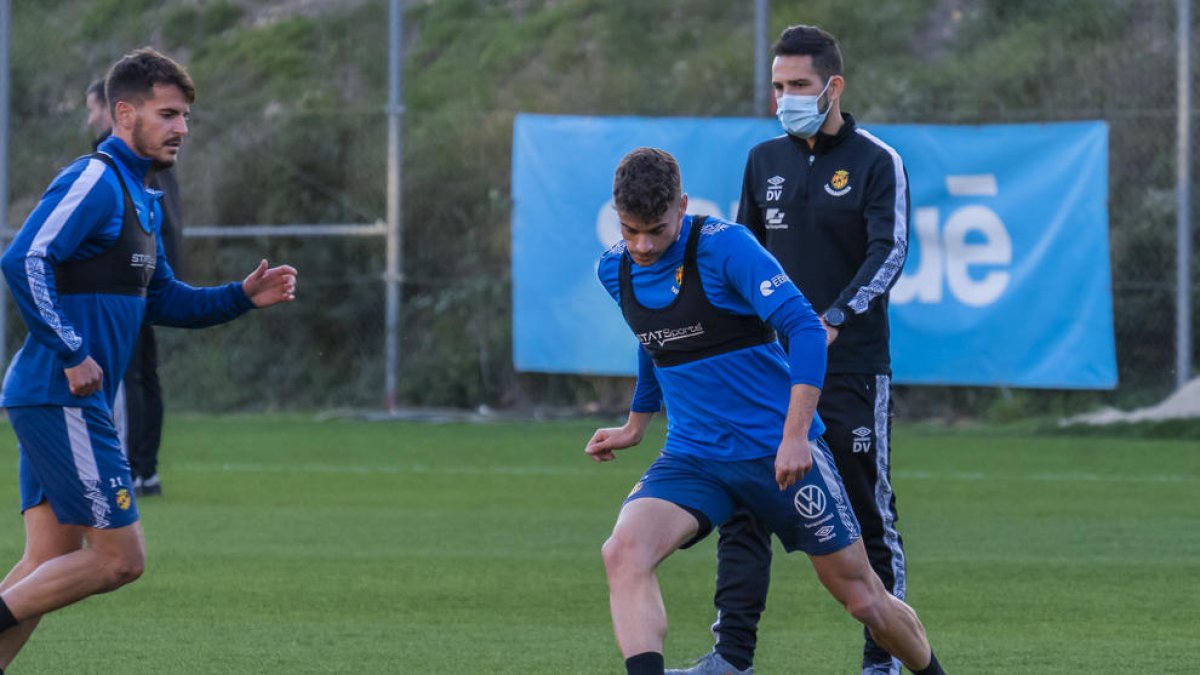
(121, 418)
(823, 463)
(85, 464)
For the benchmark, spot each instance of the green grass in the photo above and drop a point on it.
(287, 545)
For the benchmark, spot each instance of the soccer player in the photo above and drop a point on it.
(703, 296)
(86, 269)
(138, 410)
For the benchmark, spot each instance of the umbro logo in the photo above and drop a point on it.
(862, 439)
(774, 188)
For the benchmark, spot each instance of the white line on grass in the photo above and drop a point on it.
(382, 469)
(423, 469)
(1068, 477)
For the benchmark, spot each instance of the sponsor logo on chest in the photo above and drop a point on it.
(663, 336)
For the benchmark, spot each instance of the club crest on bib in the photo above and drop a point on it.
(839, 183)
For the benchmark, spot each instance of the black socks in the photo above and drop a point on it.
(7, 620)
(646, 663)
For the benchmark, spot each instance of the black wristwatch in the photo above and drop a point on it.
(835, 317)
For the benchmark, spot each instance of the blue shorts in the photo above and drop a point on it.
(813, 515)
(72, 458)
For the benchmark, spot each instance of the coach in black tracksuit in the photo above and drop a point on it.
(830, 201)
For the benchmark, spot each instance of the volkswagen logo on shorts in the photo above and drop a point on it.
(810, 501)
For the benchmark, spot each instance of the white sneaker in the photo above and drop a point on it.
(148, 487)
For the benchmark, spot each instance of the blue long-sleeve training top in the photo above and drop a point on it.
(731, 406)
(79, 217)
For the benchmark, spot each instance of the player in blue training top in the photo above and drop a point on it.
(86, 270)
(702, 296)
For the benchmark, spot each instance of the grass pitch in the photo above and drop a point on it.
(287, 545)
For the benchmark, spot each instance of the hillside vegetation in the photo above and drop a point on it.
(289, 127)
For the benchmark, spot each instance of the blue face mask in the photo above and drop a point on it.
(801, 115)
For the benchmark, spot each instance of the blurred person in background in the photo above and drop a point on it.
(139, 406)
(706, 301)
(86, 269)
(99, 122)
(830, 202)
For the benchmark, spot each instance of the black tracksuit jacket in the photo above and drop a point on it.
(836, 217)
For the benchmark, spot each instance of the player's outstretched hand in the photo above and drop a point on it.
(268, 286)
(792, 461)
(604, 441)
(85, 378)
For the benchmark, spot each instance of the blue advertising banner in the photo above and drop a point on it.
(1007, 281)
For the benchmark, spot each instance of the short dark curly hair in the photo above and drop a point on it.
(647, 183)
(801, 40)
(132, 79)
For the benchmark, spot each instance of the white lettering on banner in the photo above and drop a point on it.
(981, 185)
(946, 253)
(608, 224)
(960, 255)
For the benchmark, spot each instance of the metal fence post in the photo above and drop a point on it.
(762, 16)
(5, 77)
(1183, 203)
(395, 181)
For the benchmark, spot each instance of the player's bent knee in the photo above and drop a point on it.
(124, 568)
(621, 555)
(612, 553)
(121, 575)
